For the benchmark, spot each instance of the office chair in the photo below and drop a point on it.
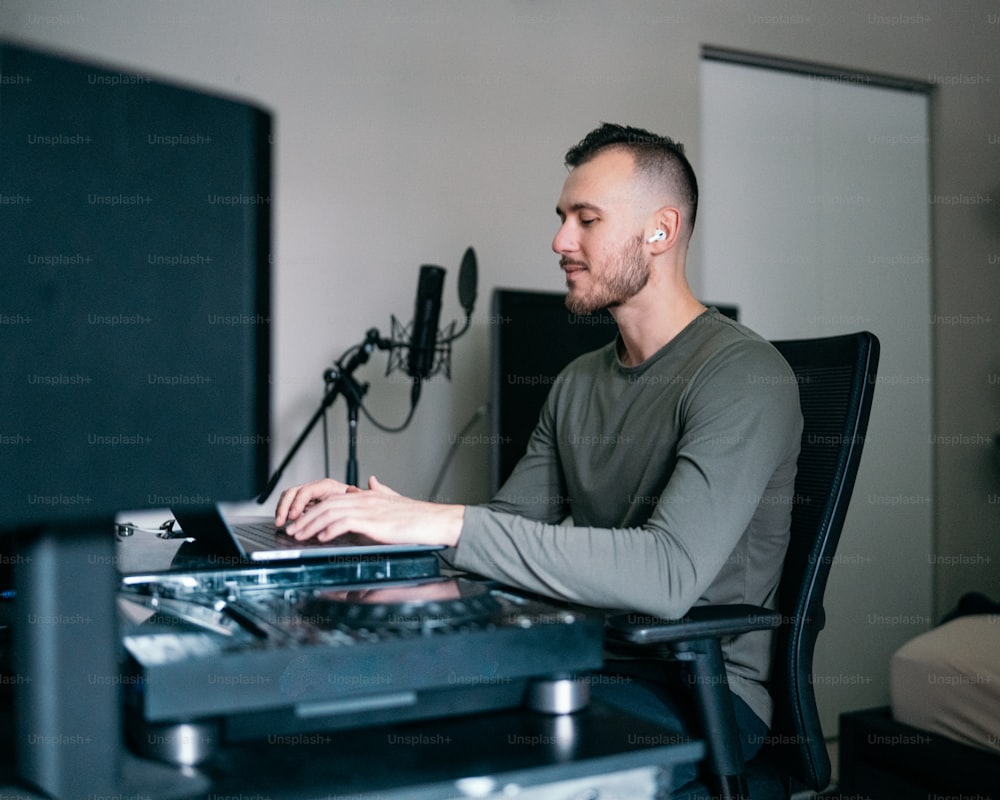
(836, 378)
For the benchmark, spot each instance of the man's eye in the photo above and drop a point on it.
(588, 220)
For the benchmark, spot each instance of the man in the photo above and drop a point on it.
(672, 450)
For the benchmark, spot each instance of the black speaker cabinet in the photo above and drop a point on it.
(134, 354)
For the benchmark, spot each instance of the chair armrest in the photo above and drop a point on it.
(701, 622)
(696, 641)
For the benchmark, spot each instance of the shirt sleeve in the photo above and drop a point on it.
(735, 457)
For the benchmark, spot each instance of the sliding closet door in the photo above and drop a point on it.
(815, 221)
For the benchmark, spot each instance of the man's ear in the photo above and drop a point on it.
(667, 230)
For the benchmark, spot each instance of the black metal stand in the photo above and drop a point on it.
(353, 392)
(340, 381)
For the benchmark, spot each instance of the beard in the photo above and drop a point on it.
(623, 279)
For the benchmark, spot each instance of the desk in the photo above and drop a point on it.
(497, 754)
(485, 755)
(509, 754)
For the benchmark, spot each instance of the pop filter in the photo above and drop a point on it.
(467, 280)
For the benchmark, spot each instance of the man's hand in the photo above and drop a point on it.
(325, 509)
(293, 502)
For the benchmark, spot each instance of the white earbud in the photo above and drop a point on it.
(659, 236)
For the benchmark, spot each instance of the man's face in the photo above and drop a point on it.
(600, 240)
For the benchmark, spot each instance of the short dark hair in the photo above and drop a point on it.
(658, 157)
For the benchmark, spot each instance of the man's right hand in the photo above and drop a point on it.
(293, 502)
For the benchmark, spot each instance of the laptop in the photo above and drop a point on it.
(257, 539)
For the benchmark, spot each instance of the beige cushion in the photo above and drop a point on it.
(947, 681)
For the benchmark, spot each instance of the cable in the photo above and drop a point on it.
(387, 428)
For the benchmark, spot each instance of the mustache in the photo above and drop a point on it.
(569, 262)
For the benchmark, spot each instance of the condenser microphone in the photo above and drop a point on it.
(420, 348)
(426, 313)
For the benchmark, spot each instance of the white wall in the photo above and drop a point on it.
(407, 131)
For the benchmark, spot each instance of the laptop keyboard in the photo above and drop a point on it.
(263, 534)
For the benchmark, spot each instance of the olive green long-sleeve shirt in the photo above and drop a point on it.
(678, 477)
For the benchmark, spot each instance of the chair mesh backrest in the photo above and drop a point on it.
(836, 378)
